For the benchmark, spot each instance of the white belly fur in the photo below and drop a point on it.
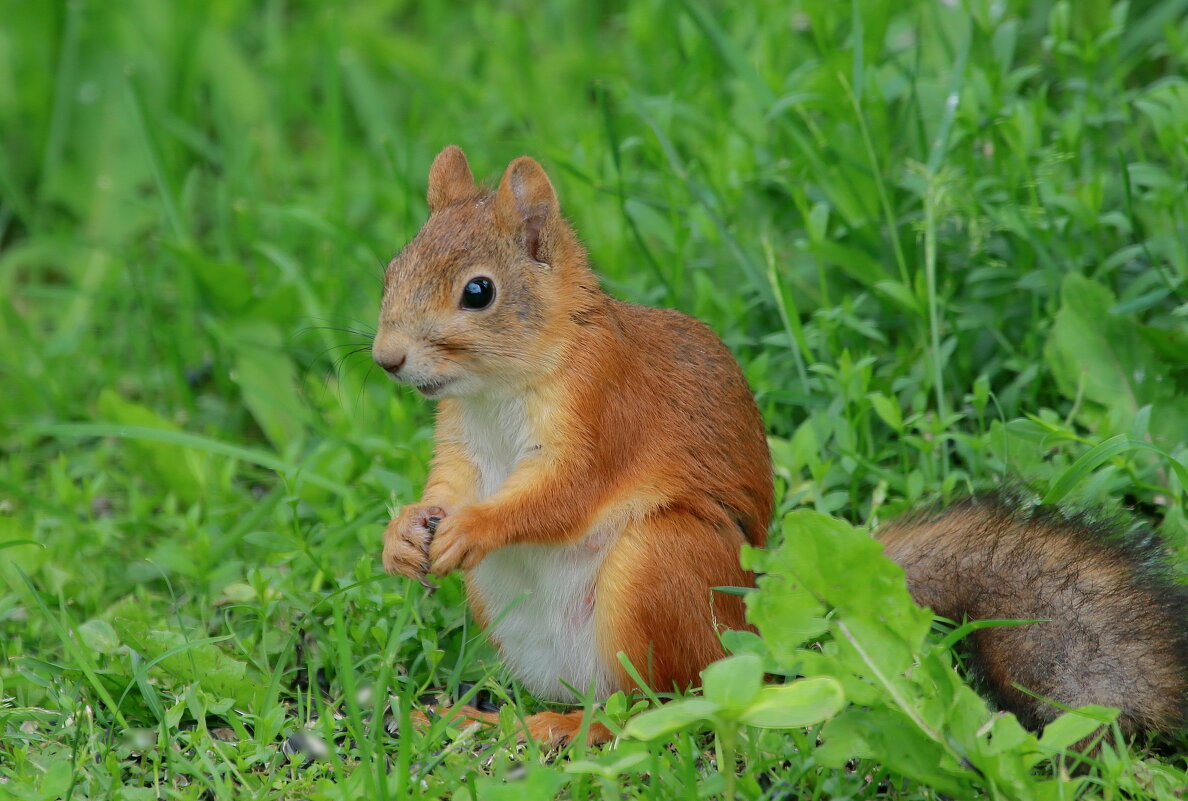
(539, 598)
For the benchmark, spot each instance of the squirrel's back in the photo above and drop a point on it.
(1115, 632)
(701, 413)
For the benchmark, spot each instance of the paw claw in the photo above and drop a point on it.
(407, 540)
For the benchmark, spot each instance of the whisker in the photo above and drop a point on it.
(451, 347)
(356, 347)
(369, 327)
(338, 363)
(347, 345)
(362, 384)
(351, 331)
(475, 348)
(323, 324)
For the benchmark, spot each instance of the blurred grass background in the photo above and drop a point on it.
(947, 241)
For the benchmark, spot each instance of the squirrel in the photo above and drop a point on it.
(598, 465)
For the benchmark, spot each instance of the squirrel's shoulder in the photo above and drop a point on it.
(663, 328)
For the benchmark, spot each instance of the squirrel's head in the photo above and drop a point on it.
(477, 301)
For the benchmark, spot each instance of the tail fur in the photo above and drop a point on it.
(1117, 633)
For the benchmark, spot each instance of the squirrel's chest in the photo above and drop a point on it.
(538, 599)
(498, 434)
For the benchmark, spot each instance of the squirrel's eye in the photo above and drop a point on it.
(478, 293)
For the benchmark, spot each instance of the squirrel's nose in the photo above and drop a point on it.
(388, 357)
(393, 366)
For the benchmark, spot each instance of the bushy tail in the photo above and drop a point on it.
(1118, 630)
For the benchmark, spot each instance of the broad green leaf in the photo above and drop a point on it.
(615, 707)
(20, 551)
(539, 782)
(1072, 727)
(267, 378)
(669, 718)
(893, 739)
(783, 609)
(182, 471)
(801, 703)
(836, 565)
(183, 661)
(227, 284)
(612, 764)
(732, 683)
(1006, 734)
(273, 541)
(738, 641)
(1103, 358)
(826, 661)
(887, 409)
(98, 635)
(899, 293)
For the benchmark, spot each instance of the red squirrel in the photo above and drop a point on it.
(598, 466)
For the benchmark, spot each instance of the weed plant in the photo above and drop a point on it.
(948, 242)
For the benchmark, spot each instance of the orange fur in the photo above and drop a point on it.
(634, 447)
(552, 728)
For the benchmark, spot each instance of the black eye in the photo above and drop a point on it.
(478, 293)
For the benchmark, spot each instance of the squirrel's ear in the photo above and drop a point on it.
(526, 205)
(450, 179)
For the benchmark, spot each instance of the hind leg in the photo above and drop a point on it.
(655, 600)
(550, 729)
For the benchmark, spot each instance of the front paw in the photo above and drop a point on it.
(461, 542)
(406, 541)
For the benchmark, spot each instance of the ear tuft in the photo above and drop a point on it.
(450, 179)
(526, 205)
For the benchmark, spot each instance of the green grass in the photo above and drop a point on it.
(948, 243)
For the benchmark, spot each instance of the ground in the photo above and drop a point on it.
(948, 242)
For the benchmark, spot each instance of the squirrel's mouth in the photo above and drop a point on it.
(431, 389)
